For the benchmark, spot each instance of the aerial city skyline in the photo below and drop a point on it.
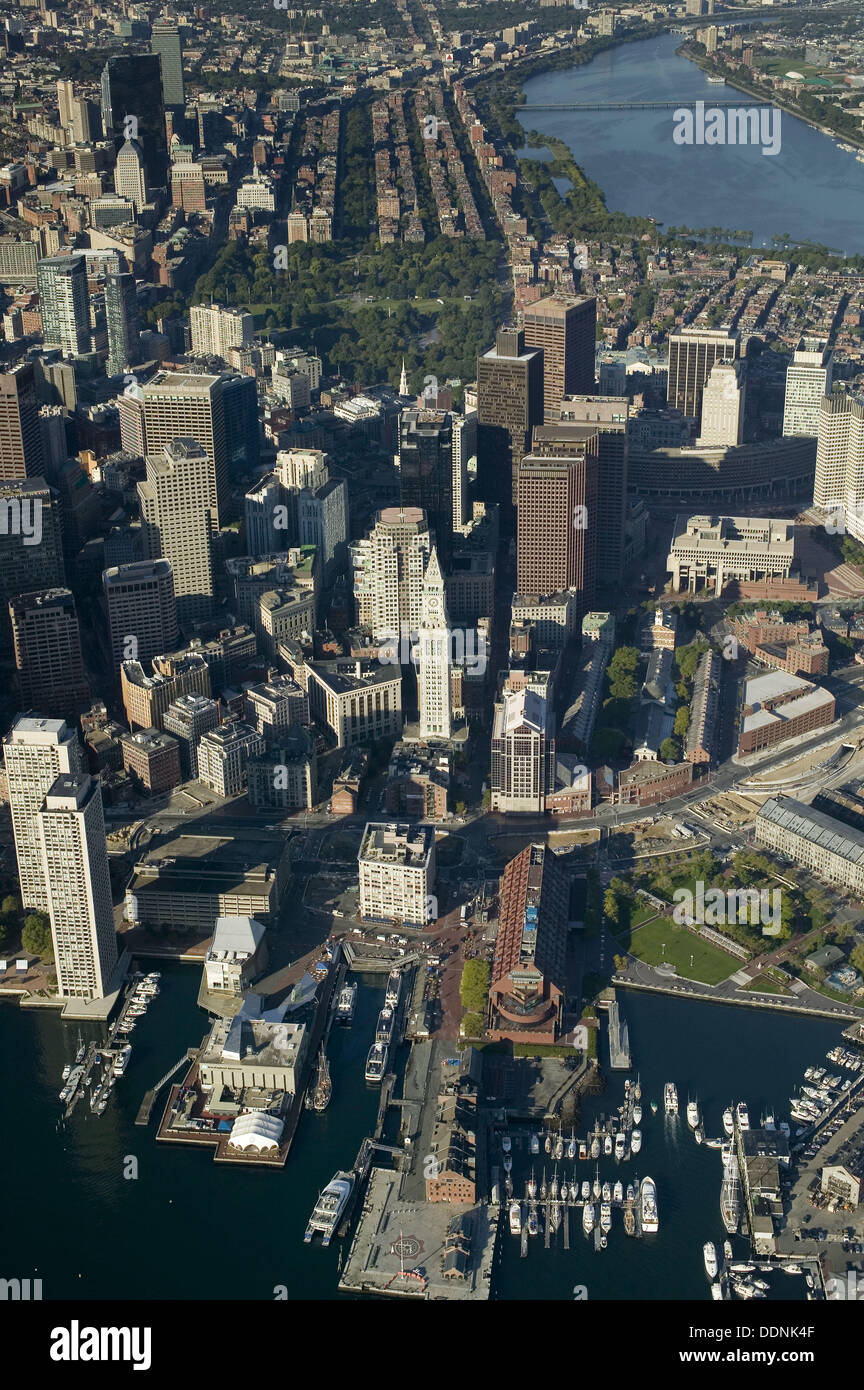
(432, 620)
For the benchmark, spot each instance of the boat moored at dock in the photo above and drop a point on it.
(649, 1218)
(329, 1208)
(345, 1005)
(376, 1061)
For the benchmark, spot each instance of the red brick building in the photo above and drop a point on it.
(526, 996)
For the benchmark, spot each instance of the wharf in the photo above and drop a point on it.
(619, 1040)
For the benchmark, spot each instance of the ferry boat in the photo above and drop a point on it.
(648, 1205)
(586, 1191)
(515, 1219)
(743, 1115)
(345, 1005)
(728, 1121)
(693, 1117)
(605, 1218)
(329, 1208)
(637, 1114)
(709, 1255)
(535, 1144)
(532, 1223)
(620, 1145)
(394, 988)
(635, 1141)
(730, 1193)
(384, 1026)
(588, 1218)
(670, 1098)
(376, 1061)
(121, 1061)
(618, 1192)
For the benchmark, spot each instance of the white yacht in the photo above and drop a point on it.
(607, 1145)
(620, 1145)
(121, 1061)
(384, 1026)
(565, 1192)
(506, 1143)
(637, 1114)
(571, 1147)
(618, 1192)
(743, 1115)
(535, 1143)
(586, 1191)
(345, 1005)
(394, 988)
(694, 1119)
(709, 1255)
(605, 1218)
(728, 1121)
(329, 1208)
(376, 1061)
(515, 1218)
(717, 1292)
(648, 1205)
(508, 1163)
(635, 1141)
(606, 1192)
(670, 1098)
(588, 1218)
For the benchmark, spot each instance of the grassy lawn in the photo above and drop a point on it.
(766, 984)
(643, 912)
(543, 1050)
(710, 963)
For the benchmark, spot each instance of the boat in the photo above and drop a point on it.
(760, 1284)
(565, 1192)
(709, 1255)
(670, 1098)
(71, 1084)
(744, 1290)
(82, 1050)
(713, 1143)
(532, 1186)
(716, 1292)
(506, 1143)
(649, 1219)
(606, 1192)
(559, 1147)
(532, 1222)
(543, 1187)
(637, 1089)
(384, 1026)
(65, 1073)
(792, 1269)
(654, 1107)
(586, 1190)
(394, 988)
(596, 1187)
(101, 1104)
(635, 1141)
(508, 1163)
(571, 1147)
(605, 1217)
(548, 1145)
(121, 1061)
(607, 1145)
(323, 1085)
(694, 1119)
(742, 1115)
(553, 1187)
(728, 1121)
(629, 1221)
(730, 1193)
(345, 1005)
(588, 1218)
(620, 1145)
(583, 1148)
(768, 1120)
(535, 1144)
(329, 1207)
(716, 81)
(515, 1218)
(631, 1192)
(376, 1061)
(618, 1192)
(595, 1146)
(699, 1134)
(637, 1114)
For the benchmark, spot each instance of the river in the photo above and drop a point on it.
(187, 1228)
(812, 189)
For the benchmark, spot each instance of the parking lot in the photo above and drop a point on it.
(811, 1226)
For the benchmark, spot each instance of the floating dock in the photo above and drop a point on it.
(619, 1040)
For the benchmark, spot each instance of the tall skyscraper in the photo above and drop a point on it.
(839, 485)
(609, 415)
(723, 402)
(808, 378)
(142, 611)
(565, 327)
(121, 315)
(523, 752)
(242, 431)
(433, 672)
(509, 405)
(464, 429)
(31, 545)
(21, 452)
(63, 300)
(130, 180)
(692, 353)
(75, 864)
(426, 472)
(215, 329)
(76, 114)
(558, 514)
(132, 107)
(389, 566)
(36, 751)
(180, 405)
(48, 655)
(178, 521)
(165, 40)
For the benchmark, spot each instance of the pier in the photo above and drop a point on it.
(619, 1040)
(146, 1107)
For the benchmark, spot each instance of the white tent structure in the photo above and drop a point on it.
(256, 1129)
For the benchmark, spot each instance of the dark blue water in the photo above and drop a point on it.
(188, 1228)
(811, 189)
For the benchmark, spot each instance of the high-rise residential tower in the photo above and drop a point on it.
(565, 327)
(808, 378)
(63, 300)
(215, 329)
(692, 353)
(389, 566)
(121, 315)
(74, 852)
(35, 753)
